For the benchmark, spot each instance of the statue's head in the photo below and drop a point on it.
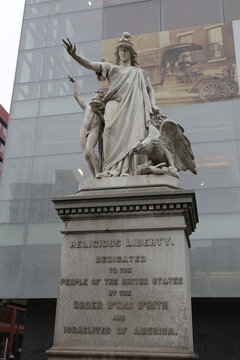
(125, 41)
(97, 97)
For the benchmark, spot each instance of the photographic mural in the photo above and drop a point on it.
(187, 66)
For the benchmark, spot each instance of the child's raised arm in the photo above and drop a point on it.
(76, 94)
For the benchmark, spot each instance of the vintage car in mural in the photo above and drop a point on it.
(180, 72)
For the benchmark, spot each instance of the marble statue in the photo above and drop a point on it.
(167, 149)
(130, 110)
(91, 127)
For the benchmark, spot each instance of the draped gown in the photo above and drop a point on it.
(127, 115)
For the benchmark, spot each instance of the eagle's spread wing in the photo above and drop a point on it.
(179, 146)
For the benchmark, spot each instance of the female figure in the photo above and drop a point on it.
(129, 102)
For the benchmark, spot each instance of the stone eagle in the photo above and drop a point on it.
(167, 148)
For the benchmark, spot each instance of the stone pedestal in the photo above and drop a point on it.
(125, 288)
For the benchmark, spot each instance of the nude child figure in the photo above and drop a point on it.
(90, 130)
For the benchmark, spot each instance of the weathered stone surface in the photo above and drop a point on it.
(124, 288)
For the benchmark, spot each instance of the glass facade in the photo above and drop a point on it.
(43, 153)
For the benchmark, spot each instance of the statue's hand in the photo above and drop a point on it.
(155, 109)
(71, 49)
(71, 79)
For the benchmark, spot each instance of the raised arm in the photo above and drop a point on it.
(76, 94)
(71, 49)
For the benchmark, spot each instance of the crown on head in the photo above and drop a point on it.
(125, 38)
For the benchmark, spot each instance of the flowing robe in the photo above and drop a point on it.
(127, 114)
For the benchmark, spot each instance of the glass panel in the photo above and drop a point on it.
(217, 226)
(224, 268)
(40, 271)
(10, 268)
(205, 122)
(110, 3)
(15, 178)
(58, 134)
(73, 26)
(180, 14)
(21, 134)
(58, 63)
(13, 211)
(24, 109)
(57, 175)
(12, 234)
(236, 107)
(138, 18)
(42, 210)
(33, 33)
(44, 233)
(219, 200)
(63, 6)
(231, 9)
(217, 166)
(33, 11)
(61, 87)
(26, 91)
(61, 105)
(199, 267)
(29, 66)
(215, 268)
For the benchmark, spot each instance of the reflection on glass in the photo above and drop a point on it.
(73, 25)
(58, 64)
(107, 3)
(218, 200)
(34, 33)
(205, 122)
(63, 6)
(217, 226)
(21, 138)
(44, 233)
(56, 175)
(216, 163)
(38, 10)
(58, 134)
(29, 66)
(15, 178)
(42, 210)
(13, 211)
(146, 17)
(11, 234)
(24, 109)
(60, 105)
(180, 14)
(60, 87)
(26, 91)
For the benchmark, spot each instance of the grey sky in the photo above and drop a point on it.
(11, 13)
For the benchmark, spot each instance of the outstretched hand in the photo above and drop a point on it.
(71, 49)
(71, 79)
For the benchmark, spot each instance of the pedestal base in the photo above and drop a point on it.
(113, 353)
(125, 286)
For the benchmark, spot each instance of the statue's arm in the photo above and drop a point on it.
(152, 97)
(88, 64)
(79, 100)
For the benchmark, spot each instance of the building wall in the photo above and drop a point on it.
(3, 133)
(43, 152)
